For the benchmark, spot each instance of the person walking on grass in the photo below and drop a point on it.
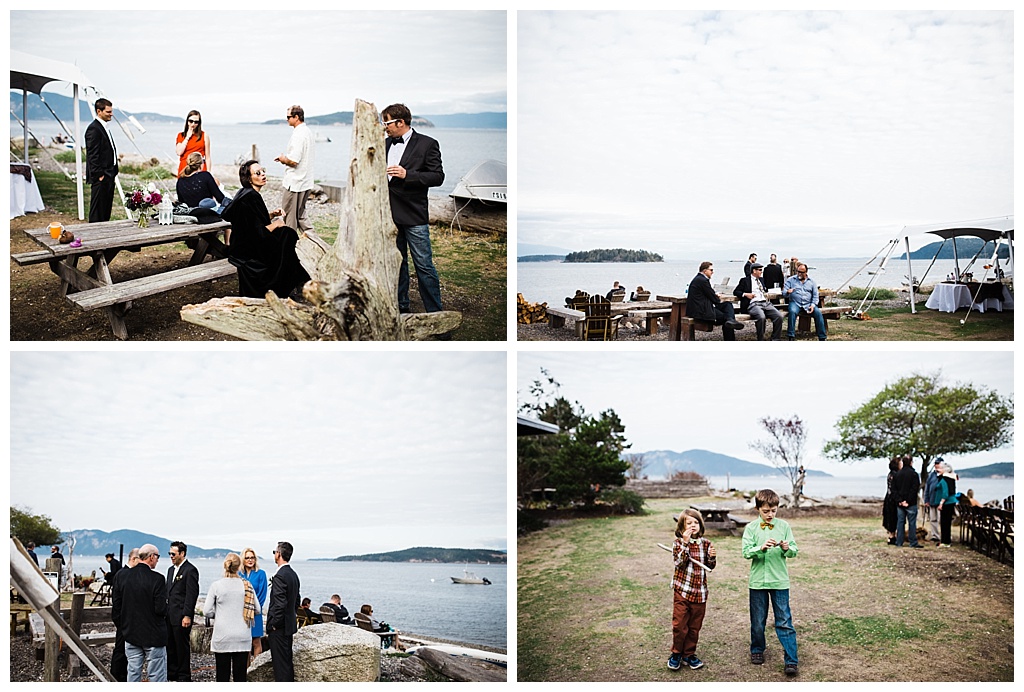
(768, 543)
(693, 556)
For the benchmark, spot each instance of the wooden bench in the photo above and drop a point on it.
(105, 296)
(688, 326)
(24, 259)
(557, 317)
(651, 318)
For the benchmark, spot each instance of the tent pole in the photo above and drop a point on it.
(910, 273)
(24, 120)
(78, 158)
(956, 260)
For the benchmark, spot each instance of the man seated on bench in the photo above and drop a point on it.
(754, 301)
(802, 294)
(702, 303)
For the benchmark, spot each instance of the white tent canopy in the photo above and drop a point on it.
(994, 229)
(30, 73)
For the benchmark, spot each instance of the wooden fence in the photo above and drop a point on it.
(989, 530)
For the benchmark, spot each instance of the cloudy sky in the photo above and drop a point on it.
(338, 453)
(250, 65)
(693, 134)
(712, 401)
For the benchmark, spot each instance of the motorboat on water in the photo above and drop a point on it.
(470, 578)
(486, 182)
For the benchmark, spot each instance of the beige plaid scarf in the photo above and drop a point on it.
(249, 609)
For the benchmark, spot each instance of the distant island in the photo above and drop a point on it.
(541, 258)
(965, 249)
(613, 255)
(451, 555)
(1000, 470)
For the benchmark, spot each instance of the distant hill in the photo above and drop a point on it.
(64, 107)
(541, 258)
(661, 463)
(95, 542)
(453, 555)
(965, 248)
(524, 249)
(1000, 470)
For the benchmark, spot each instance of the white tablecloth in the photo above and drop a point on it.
(951, 297)
(25, 196)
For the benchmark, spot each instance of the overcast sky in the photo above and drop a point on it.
(250, 65)
(712, 401)
(338, 453)
(704, 134)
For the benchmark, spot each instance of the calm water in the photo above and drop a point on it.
(826, 487)
(461, 149)
(415, 597)
(551, 282)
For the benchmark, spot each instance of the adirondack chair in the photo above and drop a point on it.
(364, 623)
(600, 325)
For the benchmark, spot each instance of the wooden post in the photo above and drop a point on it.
(77, 605)
(51, 651)
(353, 291)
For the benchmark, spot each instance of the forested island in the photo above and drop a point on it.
(613, 255)
(453, 555)
(1000, 470)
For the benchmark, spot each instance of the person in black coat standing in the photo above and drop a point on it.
(702, 303)
(182, 593)
(118, 658)
(281, 624)
(139, 609)
(100, 162)
(414, 166)
(906, 485)
(773, 275)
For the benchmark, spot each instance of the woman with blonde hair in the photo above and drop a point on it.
(198, 188)
(232, 604)
(192, 139)
(252, 573)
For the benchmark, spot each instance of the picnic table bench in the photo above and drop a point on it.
(102, 242)
(717, 517)
(682, 328)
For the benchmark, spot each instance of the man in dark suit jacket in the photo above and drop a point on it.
(702, 303)
(182, 593)
(340, 612)
(905, 487)
(100, 162)
(754, 301)
(414, 165)
(281, 624)
(773, 275)
(119, 659)
(140, 608)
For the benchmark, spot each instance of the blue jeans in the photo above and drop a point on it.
(157, 662)
(783, 622)
(211, 203)
(819, 321)
(904, 514)
(415, 240)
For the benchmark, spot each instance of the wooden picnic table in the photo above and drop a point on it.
(678, 316)
(102, 242)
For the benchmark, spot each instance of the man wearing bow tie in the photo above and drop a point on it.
(754, 301)
(414, 166)
(768, 543)
(182, 593)
(298, 176)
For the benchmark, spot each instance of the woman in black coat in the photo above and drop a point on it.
(262, 247)
(889, 503)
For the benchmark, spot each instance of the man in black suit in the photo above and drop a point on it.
(281, 624)
(773, 275)
(140, 606)
(100, 162)
(754, 301)
(414, 165)
(182, 593)
(702, 303)
(119, 659)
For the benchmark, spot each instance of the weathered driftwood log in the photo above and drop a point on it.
(474, 216)
(460, 668)
(353, 291)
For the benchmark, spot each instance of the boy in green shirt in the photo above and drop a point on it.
(768, 543)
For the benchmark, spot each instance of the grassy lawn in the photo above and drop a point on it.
(595, 603)
(898, 324)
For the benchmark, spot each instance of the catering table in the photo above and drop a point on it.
(950, 297)
(25, 197)
(102, 242)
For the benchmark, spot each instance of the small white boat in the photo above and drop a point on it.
(485, 182)
(470, 578)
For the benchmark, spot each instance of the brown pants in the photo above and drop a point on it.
(687, 619)
(294, 206)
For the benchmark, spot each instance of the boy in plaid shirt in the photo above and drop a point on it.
(694, 556)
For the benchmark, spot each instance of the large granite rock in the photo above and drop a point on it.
(330, 652)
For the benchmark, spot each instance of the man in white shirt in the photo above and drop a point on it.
(754, 301)
(298, 176)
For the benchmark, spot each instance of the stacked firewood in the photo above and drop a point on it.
(531, 313)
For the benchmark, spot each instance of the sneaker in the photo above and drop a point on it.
(757, 659)
(945, 545)
(791, 670)
(695, 662)
(918, 546)
(675, 661)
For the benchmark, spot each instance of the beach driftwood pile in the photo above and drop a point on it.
(431, 664)
(530, 313)
(352, 294)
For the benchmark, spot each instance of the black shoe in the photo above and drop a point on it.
(757, 659)
(734, 325)
(790, 338)
(919, 546)
(404, 311)
(791, 670)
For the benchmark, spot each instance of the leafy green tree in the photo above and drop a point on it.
(37, 528)
(922, 417)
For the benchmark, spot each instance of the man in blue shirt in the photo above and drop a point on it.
(802, 294)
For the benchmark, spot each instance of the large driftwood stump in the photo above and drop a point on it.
(353, 291)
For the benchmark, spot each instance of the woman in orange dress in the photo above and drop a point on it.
(191, 139)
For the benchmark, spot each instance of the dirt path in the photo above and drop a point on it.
(594, 604)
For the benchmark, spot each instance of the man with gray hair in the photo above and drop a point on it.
(140, 610)
(931, 502)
